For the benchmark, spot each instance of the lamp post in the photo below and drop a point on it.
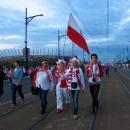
(27, 20)
(127, 49)
(59, 38)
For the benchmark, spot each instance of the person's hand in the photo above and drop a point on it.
(55, 93)
(17, 84)
(82, 91)
(95, 76)
(49, 80)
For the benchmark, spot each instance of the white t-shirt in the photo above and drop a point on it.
(43, 82)
(95, 71)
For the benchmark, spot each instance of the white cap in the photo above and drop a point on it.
(45, 61)
(74, 59)
(61, 61)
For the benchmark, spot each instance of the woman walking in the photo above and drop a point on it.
(44, 81)
(75, 83)
(61, 86)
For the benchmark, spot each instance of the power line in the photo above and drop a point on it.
(76, 14)
(107, 18)
(107, 33)
(64, 46)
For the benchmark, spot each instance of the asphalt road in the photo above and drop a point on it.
(115, 105)
(112, 115)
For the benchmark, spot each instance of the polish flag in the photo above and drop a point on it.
(75, 34)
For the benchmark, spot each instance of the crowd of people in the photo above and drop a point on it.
(67, 79)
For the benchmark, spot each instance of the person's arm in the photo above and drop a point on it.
(64, 76)
(82, 79)
(52, 81)
(20, 76)
(36, 79)
(3, 75)
(88, 71)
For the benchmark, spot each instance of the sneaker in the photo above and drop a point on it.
(59, 110)
(93, 110)
(22, 101)
(42, 112)
(1, 103)
(12, 105)
(68, 105)
(75, 117)
(97, 106)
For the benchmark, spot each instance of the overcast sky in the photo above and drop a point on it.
(42, 31)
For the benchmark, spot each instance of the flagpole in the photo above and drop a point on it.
(72, 49)
(58, 45)
(83, 55)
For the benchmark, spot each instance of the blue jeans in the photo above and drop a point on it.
(75, 96)
(14, 89)
(43, 98)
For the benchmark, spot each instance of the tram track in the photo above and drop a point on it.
(124, 80)
(45, 117)
(14, 109)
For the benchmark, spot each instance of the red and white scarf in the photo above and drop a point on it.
(95, 72)
(58, 77)
(71, 72)
(47, 73)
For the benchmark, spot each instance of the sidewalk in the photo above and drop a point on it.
(114, 113)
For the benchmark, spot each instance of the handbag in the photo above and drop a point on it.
(34, 90)
(63, 83)
(74, 85)
(14, 86)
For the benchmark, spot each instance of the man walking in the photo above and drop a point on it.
(94, 72)
(17, 76)
(2, 77)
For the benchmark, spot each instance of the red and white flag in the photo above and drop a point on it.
(75, 34)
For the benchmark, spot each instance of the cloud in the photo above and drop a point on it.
(42, 31)
(51, 46)
(93, 41)
(11, 37)
(34, 6)
(8, 46)
(124, 21)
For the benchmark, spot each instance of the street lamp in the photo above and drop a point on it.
(27, 20)
(59, 38)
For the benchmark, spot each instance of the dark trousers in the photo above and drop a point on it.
(94, 90)
(14, 89)
(75, 96)
(1, 90)
(43, 98)
(31, 77)
(107, 72)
